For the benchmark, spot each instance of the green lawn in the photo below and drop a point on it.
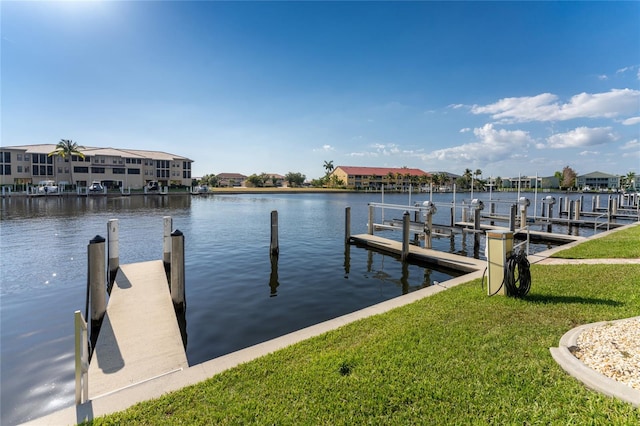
(623, 244)
(458, 357)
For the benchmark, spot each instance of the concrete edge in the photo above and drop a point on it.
(537, 257)
(591, 378)
(125, 398)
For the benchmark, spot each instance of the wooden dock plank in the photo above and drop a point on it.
(139, 338)
(448, 260)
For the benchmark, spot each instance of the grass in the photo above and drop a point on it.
(624, 244)
(458, 357)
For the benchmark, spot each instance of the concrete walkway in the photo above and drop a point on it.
(151, 389)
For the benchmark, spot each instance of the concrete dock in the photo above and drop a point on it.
(139, 338)
(435, 257)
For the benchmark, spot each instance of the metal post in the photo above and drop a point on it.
(177, 269)
(370, 219)
(97, 283)
(274, 247)
(405, 235)
(113, 251)
(347, 224)
(166, 242)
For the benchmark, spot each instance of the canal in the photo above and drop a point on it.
(236, 296)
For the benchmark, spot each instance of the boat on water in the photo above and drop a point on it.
(47, 187)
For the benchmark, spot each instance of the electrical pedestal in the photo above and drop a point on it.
(499, 247)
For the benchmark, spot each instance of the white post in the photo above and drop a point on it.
(166, 243)
(81, 359)
(535, 199)
(113, 250)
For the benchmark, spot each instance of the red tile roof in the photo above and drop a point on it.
(380, 171)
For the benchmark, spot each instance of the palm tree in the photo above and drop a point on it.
(67, 148)
(629, 181)
(328, 166)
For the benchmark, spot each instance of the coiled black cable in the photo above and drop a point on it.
(517, 276)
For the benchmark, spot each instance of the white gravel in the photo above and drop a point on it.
(612, 349)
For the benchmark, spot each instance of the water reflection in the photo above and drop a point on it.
(273, 277)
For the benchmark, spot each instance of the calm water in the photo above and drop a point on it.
(235, 296)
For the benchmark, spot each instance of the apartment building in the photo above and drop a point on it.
(393, 178)
(24, 165)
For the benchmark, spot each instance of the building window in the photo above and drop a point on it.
(118, 171)
(59, 169)
(27, 157)
(133, 171)
(19, 157)
(19, 169)
(26, 169)
(99, 170)
(5, 170)
(81, 169)
(5, 157)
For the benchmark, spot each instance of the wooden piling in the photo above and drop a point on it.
(370, 224)
(347, 224)
(113, 251)
(512, 217)
(177, 269)
(274, 248)
(97, 284)
(406, 223)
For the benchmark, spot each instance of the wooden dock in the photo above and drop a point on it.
(522, 233)
(435, 257)
(139, 339)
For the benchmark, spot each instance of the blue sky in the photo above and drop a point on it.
(507, 87)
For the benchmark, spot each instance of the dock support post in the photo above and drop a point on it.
(274, 248)
(370, 219)
(166, 242)
(97, 284)
(113, 251)
(406, 218)
(428, 232)
(512, 217)
(347, 225)
(177, 269)
(614, 207)
(81, 359)
(492, 212)
(577, 209)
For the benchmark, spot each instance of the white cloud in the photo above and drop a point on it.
(492, 145)
(603, 77)
(325, 148)
(581, 137)
(465, 130)
(585, 153)
(631, 121)
(632, 144)
(545, 107)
